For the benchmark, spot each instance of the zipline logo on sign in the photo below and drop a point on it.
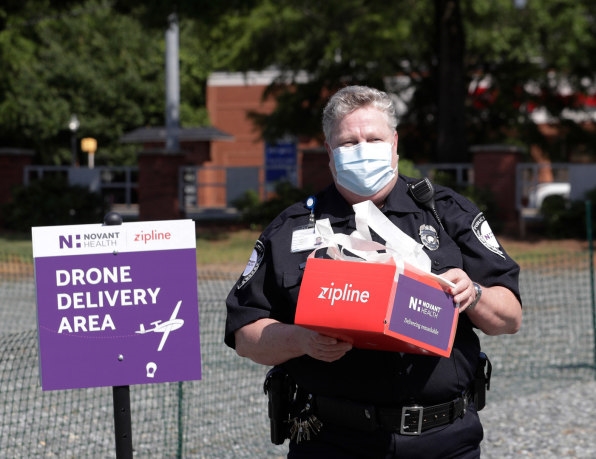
(117, 305)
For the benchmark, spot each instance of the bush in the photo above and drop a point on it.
(483, 198)
(565, 219)
(408, 168)
(52, 201)
(257, 214)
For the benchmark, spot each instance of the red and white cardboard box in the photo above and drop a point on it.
(368, 305)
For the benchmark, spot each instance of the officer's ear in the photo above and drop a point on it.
(329, 150)
(331, 160)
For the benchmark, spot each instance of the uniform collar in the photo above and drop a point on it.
(334, 207)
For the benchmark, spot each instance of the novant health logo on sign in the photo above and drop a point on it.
(88, 240)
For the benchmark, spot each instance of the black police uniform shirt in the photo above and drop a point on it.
(269, 288)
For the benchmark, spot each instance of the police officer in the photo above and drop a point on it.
(351, 402)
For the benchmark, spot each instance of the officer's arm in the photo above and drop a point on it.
(497, 312)
(269, 342)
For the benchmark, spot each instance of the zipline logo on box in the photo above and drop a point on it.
(343, 294)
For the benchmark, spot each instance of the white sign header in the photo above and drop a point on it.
(51, 241)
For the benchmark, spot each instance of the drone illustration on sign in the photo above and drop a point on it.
(164, 327)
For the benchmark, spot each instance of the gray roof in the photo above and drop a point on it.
(158, 134)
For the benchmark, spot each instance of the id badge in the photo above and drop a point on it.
(305, 238)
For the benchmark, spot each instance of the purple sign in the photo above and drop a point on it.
(121, 318)
(422, 313)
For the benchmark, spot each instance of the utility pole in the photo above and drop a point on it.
(172, 85)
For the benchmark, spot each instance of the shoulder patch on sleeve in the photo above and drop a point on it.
(485, 235)
(256, 257)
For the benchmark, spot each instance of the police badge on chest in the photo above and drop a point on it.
(429, 237)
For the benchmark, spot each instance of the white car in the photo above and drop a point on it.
(541, 191)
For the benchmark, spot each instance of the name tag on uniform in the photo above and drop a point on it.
(305, 238)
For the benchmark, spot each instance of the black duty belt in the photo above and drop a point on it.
(406, 420)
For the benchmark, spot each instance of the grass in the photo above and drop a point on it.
(220, 246)
(541, 247)
(16, 245)
(225, 247)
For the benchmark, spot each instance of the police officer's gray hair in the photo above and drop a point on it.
(351, 98)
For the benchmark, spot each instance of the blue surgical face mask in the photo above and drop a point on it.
(365, 168)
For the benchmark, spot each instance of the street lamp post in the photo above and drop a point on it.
(73, 125)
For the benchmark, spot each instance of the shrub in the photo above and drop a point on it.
(565, 219)
(257, 214)
(407, 167)
(52, 201)
(483, 198)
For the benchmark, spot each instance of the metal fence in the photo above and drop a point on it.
(225, 414)
(118, 184)
(210, 191)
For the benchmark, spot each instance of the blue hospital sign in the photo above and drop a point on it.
(280, 162)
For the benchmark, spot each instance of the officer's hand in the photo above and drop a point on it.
(323, 347)
(463, 292)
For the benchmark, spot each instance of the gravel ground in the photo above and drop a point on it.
(553, 423)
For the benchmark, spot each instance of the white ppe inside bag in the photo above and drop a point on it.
(360, 246)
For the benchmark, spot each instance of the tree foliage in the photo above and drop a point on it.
(104, 61)
(344, 42)
(51, 201)
(97, 63)
(333, 43)
(541, 55)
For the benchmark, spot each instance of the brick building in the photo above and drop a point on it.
(230, 97)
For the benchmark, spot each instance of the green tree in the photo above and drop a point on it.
(334, 43)
(530, 53)
(441, 46)
(95, 62)
(104, 61)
